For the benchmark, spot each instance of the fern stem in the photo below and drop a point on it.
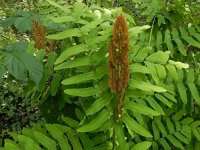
(113, 142)
(151, 31)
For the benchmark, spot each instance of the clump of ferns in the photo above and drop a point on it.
(118, 64)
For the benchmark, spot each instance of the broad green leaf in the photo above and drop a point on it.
(91, 41)
(159, 57)
(153, 103)
(179, 65)
(78, 10)
(195, 124)
(191, 41)
(2, 71)
(181, 137)
(59, 136)
(139, 29)
(107, 146)
(178, 125)
(135, 93)
(153, 71)
(47, 73)
(179, 43)
(159, 41)
(161, 127)
(179, 115)
(121, 137)
(28, 143)
(24, 24)
(63, 8)
(63, 19)
(197, 145)
(18, 63)
(97, 140)
(31, 48)
(85, 61)
(82, 21)
(172, 71)
(190, 76)
(83, 92)
(170, 97)
(80, 78)
(180, 75)
(194, 33)
(137, 67)
(169, 42)
(194, 91)
(156, 132)
(175, 142)
(164, 100)
(142, 54)
(10, 145)
(101, 71)
(183, 31)
(197, 28)
(181, 48)
(154, 145)
(71, 51)
(161, 20)
(71, 122)
(187, 121)
(161, 71)
(133, 125)
(85, 140)
(150, 17)
(50, 60)
(139, 117)
(144, 86)
(182, 92)
(96, 106)
(142, 109)
(196, 133)
(187, 132)
(74, 140)
(45, 140)
(142, 146)
(66, 34)
(164, 143)
(170, 126)
(97, 122)
(88, 27)
(40, 55)
(80, 115)
(55, 84)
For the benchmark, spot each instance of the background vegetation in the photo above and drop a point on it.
(99, 74)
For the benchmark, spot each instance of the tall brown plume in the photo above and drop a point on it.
(39, 36)
(118, 68)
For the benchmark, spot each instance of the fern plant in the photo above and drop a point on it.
(159, 105)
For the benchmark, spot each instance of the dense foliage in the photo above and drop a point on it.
(100, 75)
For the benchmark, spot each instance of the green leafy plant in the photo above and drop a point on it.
(129, 93)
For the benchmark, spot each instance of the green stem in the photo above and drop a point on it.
(151, 31)
(113, 142)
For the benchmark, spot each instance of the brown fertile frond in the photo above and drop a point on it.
(51, 45)
(39, 36)
(118, 67)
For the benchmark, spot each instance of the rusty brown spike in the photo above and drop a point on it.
(118, 64)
